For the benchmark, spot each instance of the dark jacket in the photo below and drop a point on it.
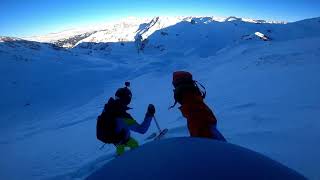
(123, 122)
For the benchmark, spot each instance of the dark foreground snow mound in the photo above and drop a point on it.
(193, 158)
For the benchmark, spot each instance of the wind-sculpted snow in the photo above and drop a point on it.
(193, 158)
(265, 93)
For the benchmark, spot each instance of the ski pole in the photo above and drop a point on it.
(155, 120)
(102, 146)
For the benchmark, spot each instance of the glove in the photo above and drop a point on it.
(151, 110)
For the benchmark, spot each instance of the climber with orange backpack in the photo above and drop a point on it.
(200, 119)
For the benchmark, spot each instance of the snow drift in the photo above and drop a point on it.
(190, 159)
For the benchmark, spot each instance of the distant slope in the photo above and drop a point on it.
(186, 36)
(201, 34)
(125, 30)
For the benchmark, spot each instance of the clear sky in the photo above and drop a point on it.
(34, 17)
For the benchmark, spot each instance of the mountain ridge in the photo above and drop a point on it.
(62, 38)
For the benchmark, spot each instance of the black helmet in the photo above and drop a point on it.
(124, 94)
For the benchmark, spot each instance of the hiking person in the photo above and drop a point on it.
(200, 119)
(114, 123)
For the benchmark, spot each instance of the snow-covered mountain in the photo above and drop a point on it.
(127, 29)
(201, 35)
(262, 80)
(157, 34)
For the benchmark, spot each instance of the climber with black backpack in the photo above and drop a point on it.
(114, 123)
(200, 119)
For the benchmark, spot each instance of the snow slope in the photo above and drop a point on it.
(264, 93)
(192, 158)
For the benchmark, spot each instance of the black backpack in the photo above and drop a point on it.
(106, 123)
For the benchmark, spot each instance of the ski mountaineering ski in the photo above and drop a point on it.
(161, 134)
(156, 136)
(153, 135)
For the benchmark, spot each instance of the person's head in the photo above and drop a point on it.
(181, 77)
(124, 94)
(183, 83)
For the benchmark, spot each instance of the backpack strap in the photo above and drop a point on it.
(175, 103)
(203, 92)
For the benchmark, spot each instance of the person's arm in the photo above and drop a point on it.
(144, 126)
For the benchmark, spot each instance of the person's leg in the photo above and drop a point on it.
(132, 143)
(120, 149)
